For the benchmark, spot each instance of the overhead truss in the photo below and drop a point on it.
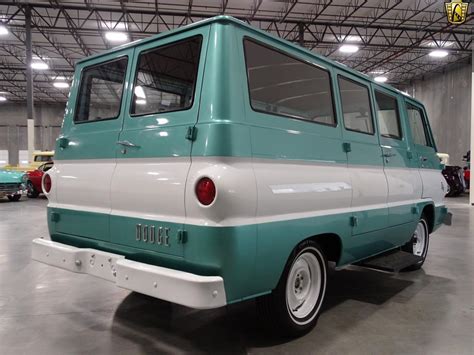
(395, 37)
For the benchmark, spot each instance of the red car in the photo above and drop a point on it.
(33, 185)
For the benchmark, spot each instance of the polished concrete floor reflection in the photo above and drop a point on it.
(49, 311)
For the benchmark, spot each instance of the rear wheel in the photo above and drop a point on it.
(418, 245)
(14, 198)
(32, 193)
(293, 307)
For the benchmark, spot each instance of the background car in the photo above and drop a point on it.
(39, 157)
(33, 185)
(12, 184)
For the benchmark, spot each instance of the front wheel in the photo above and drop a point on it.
(31, 191)
(419, 243)
(14, 198)
(293, 307)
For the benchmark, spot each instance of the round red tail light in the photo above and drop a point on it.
(47, 183)
(205, 191)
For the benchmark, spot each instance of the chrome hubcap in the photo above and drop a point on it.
(304, 285)
(419, 239)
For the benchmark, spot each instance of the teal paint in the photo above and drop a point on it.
(250, 258)
(9, 177)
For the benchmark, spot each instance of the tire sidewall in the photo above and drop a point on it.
(409, 246)
(31, 191)
(14, 198)
(294, 325)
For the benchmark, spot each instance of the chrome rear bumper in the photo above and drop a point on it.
(195, 291)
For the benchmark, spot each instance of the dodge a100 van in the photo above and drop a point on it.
(216, 163)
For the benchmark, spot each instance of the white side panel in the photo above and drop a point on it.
(82, 184)
(434, 185)
(369, 185)
(150, 188)
(161, 189)
(292, 188)
(403, 184)
(236, 197)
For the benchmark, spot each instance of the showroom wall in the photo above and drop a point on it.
(13, 132)
(447, 98)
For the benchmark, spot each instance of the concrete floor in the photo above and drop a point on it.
(44, 310)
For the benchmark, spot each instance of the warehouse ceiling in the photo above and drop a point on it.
(395, 38)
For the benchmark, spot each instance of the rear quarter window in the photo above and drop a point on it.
(282, 85)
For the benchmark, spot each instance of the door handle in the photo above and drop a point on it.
(128, 144)
(388, 155)
(423, 158)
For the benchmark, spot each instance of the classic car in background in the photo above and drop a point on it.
(12, 184)
(33, 185)
(39, 157)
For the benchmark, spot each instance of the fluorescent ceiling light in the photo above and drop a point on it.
(348, 48)
(39, 65)
(58, 77)
(380, 79)
(438, 53)
(3, 98)
(60, 85)
(139, 92)
(350, 38)
(140, 102)
(377, 72)
(114, 25)
(3, 30)
(35, 57)
(113, 36)
(441, 44)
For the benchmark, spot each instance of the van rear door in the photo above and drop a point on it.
(85, 152)
(154, 149)
(404, 182)
(425, 149)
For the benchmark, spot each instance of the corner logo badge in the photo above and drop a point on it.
(456, 10)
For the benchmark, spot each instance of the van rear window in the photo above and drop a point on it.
(166, 78)
(282, 85)
(100, 93)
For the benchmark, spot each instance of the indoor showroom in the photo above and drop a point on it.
(236, 176)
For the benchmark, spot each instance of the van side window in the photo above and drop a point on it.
(282, 85)
(417, 125)
(388, 115)
(100, 93)
(166, 78)
(356, 106)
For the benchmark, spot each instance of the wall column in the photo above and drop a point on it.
(13, 145)
(471, 194)
(29, 86)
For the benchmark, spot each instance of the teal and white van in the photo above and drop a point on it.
(216, 163)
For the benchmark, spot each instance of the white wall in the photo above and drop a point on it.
(447, 98)
(13, 131)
